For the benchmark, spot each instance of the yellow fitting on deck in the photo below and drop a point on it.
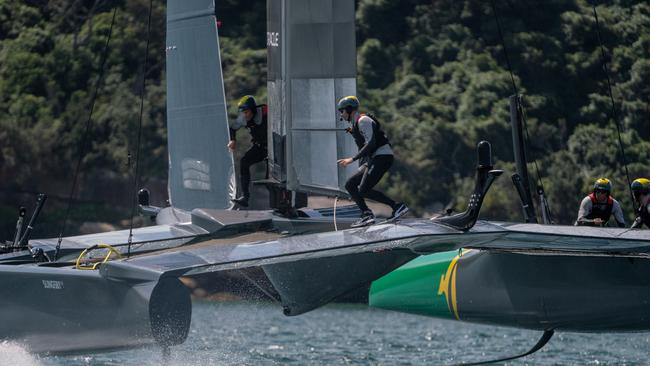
(93, 266)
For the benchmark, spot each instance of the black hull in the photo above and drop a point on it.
(60, 310)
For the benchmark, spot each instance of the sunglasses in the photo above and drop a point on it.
(600, 191)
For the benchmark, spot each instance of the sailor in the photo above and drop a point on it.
(641, 190)
(253, 117)
(375, 157)
(599, 205)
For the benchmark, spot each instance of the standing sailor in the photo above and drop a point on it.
(375, 158)
(599, 205)
(641, 191)
(253, 117)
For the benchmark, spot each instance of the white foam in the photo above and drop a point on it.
(11, 354)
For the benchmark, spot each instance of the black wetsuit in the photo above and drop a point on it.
(372, 167)
(257, 127)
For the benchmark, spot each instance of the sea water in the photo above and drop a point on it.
(247, 333)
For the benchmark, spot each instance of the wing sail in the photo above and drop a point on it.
(201, 169)
(312, 63)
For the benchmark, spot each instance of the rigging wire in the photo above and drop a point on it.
(505, 50)
(85, 136)
(137, 145)
(613, 112)
(516, 92)
(540, 182)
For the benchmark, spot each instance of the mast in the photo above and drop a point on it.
(520, 179)
(311, 50)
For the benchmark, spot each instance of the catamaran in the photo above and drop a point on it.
(545, 277)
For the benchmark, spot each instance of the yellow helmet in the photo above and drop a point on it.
(246, 102)
(349, 103)
(603, 184)
(641, 186)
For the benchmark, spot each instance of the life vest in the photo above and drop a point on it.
(257, 125)
(378, 134)
(600, 210)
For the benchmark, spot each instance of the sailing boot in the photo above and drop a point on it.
(367, 218)
(400, 209)
(242, 201)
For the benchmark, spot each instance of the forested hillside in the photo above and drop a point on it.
(435, 73)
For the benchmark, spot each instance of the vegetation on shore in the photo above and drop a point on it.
(434, 72)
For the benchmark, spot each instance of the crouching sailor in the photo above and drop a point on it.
(254, 118)
(375, 158)
(599, 205)
(641, 190)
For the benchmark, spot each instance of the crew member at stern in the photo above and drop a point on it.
(599, 206)
(641, 190)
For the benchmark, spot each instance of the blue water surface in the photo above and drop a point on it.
(247, 333)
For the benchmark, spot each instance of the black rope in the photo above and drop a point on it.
(505, 50)
(137, 145)
(613, 112)
(85, 136)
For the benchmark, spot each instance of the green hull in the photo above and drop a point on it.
(542, 292)
(421, 286)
